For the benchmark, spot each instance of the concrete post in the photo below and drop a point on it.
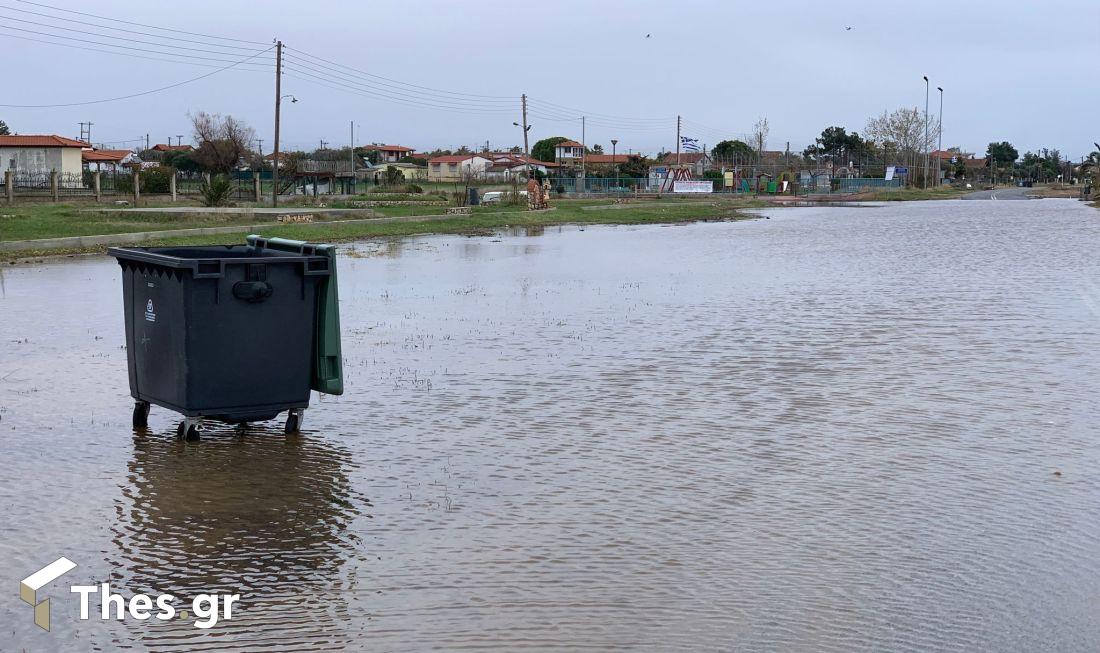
(172, 185)
(96, 186)
(256, 187)
(137, 184)
(53, 185)
(9, 185)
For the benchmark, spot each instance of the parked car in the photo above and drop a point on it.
(497, 196)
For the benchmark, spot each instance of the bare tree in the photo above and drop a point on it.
(760, 135)
(222, 141)
(902, 133)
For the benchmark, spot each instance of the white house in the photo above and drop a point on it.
(41, 154)
(569, 153)
(457, 167)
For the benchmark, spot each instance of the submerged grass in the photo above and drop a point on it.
(483, 221)
(912, 194)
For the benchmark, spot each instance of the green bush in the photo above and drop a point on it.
(216, 191)
(153, 180)
(413, 189)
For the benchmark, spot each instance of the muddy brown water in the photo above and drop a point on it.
(837, 429)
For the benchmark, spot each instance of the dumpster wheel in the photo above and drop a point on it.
(189, 429)
(141, 414)
(294, 420)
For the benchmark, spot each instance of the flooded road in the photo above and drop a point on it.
(838, 429)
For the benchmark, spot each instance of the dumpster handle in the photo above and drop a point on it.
(252, 291)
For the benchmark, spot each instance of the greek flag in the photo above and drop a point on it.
(689, 144)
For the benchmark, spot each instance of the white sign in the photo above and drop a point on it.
(693, 186)
(889, 173)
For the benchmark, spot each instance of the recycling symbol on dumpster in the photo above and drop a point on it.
(150, 316)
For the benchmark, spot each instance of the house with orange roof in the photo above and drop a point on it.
(389, 153)
(107, 159)
(41, 154)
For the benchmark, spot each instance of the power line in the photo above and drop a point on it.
(313, 79)
(123, 29)
(133, 95)
(131, 40)
(127, 22)
(301, 66)
(30, 31)
(422, 88)
(130, 54)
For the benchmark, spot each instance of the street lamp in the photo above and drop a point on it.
(614, 163)
(926, 131)
(526, 151)
(939, 136)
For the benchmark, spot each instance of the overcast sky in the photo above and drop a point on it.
(1022, 72)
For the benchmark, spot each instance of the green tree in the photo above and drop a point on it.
(544, 149)
(729, 150)
(4, 131)
(1002, 153)
(597, 149)
(181, 160)
(634, 166)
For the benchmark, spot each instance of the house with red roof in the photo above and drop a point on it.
(41, 154)
(456, 167)
(389, 153)
(107, 159)
(569, 153)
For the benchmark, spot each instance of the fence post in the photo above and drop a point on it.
(172, 185)
(256, 187)
(53, 185)
(137, 183)
(9, 185)
(96, 186)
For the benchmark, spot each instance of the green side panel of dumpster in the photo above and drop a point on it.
(328, 362)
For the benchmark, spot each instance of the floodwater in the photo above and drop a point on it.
(837, 429)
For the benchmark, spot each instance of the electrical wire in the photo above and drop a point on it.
(128, 31)
(302, 66)
(313, 79)
(127, 22)
(387, 79)
(133, 95)
(30, 31)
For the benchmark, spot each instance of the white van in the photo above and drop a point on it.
(497, 196)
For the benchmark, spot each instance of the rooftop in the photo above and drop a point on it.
(40, 140)
(161, 147)
(388, 148)
(105, 155)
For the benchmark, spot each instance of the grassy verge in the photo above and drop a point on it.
(484, 221)
(911, 194)
(1055, 190)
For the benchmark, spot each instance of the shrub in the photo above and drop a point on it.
(413, 189)
(215, 192)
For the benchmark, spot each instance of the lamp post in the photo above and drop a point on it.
(526, 151)
(614, 163)
(926, 89)
(939, 136)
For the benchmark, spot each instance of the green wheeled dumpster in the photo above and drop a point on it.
(233, 333)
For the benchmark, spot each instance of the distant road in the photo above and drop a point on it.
(1011, 193)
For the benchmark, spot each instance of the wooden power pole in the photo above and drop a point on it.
(526, 149)
(677, 140)
(278, 101)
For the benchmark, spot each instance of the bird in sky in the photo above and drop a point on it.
(647, 36)
(848, 28)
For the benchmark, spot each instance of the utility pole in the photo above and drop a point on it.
(526, 150)
(86, 132)
(147, 141)
(278, 101)
(323, 143)
(179, 140)
(584, 149)
(677, 140)
(614, 161)
(351, 155)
